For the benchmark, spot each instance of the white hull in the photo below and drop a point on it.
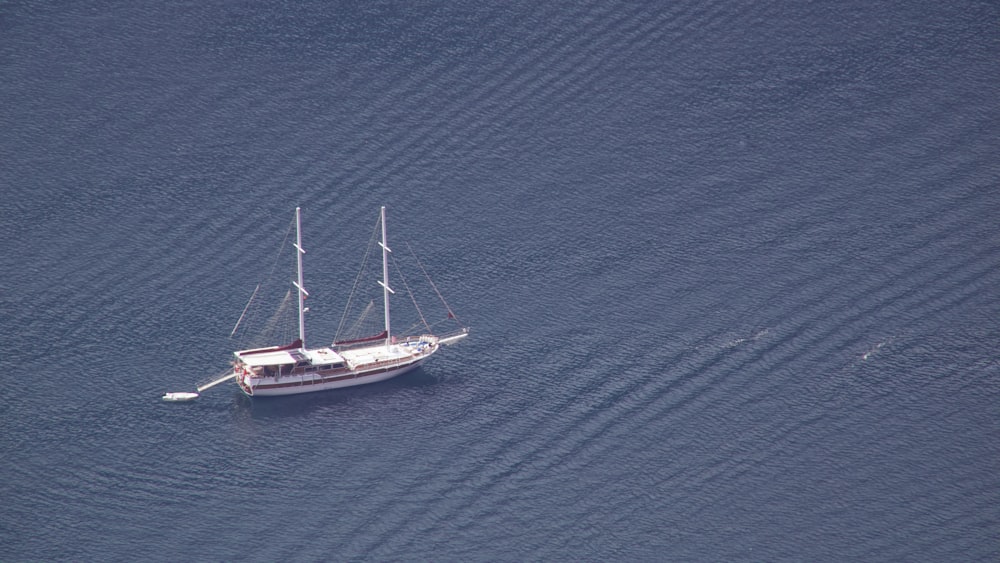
(309, 383)
(363, 365)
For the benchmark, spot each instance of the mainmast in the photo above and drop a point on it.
(386, 290)
(299, 285)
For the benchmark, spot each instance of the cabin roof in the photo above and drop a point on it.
(324, 356)
(317, 356)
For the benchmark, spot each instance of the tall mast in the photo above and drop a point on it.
(386, 290)
(299, 285)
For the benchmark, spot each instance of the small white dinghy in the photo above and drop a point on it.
(180, 396)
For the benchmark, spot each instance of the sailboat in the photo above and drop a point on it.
(294, 368)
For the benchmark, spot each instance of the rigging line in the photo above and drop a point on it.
(426, 275)
(267, 280)
(355, 329)
(430, 328)
(399, 271)
(357, 280)
(281, 248)
(410, 330)
(244, 311)
(417, 325)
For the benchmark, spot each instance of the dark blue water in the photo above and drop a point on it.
(732, 270)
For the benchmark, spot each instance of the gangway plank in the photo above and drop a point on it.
(222, 379)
